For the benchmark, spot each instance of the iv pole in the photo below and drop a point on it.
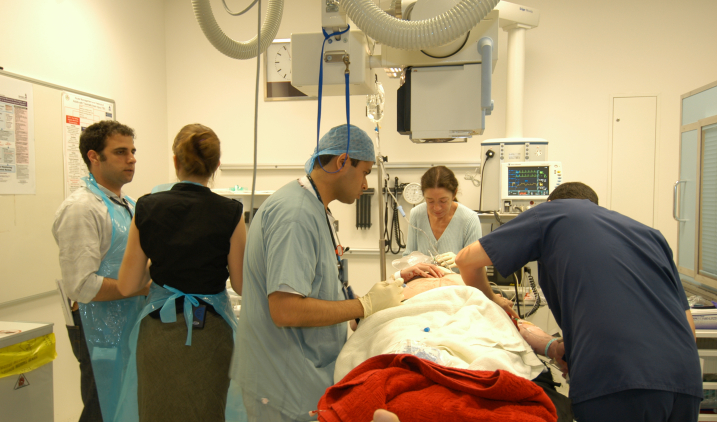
(381, 227)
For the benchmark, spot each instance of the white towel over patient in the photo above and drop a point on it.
(470, 330)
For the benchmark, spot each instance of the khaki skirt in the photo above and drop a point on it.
(183, 383)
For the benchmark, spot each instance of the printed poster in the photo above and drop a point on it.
(17, 137)
(78, 112)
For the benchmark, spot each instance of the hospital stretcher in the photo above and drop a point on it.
(475, 365)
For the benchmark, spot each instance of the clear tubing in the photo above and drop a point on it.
(381, 227)
(417, 35)
(236, 49)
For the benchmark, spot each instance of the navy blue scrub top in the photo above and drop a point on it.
(613, 288)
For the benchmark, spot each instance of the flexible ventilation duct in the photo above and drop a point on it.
(230, 47)
(417, 35)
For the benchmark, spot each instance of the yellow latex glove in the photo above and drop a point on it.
(383, 295)
(447, 260)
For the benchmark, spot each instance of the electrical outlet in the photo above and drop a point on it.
(336, 225)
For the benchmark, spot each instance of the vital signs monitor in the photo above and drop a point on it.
(531, 181)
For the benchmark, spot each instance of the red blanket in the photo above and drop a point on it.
(419, 390)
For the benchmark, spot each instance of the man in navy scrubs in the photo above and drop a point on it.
(613, 288)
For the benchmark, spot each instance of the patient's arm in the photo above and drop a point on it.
(421, 269)
(538, 339)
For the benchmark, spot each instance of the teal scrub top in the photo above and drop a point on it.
(463, 229)
(288, 242)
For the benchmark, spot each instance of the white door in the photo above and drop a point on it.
(632, 183)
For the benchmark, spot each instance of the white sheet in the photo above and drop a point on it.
(471, 331)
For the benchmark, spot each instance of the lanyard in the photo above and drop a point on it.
(122, 203)
(333, 242)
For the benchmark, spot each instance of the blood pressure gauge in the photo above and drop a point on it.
(413, 194)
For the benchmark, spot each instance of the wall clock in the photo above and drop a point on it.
(277, 76)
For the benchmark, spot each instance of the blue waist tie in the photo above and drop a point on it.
(168, 313)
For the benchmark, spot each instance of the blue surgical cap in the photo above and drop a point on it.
(334, 143)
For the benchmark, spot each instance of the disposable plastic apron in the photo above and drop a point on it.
(163, 298)
(107, 324)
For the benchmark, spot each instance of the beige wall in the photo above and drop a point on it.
(108, 48)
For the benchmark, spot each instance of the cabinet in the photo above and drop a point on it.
(710, 364)
(695, 193)
(25, 382)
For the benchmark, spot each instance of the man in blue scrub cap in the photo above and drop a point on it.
(292, 324)
(613, 287)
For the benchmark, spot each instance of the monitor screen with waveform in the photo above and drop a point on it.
(528, 181)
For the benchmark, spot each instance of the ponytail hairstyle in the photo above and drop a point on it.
(440, 177)
(197, 149)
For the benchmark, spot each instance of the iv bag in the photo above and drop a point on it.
(374, 104)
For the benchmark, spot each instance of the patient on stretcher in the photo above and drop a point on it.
(456, 323)
(533, 335)
(445, 322)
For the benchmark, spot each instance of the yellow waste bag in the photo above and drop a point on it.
(27, 356)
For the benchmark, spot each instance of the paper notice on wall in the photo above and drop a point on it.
(78, 112)
(17, 138)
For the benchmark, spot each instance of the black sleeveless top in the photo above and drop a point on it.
(186, 232)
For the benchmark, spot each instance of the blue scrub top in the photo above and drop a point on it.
(613, 288)
(288, 242)
(463, 229)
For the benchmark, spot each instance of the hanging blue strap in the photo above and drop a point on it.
(348, 108)
(168, 313)
(321, 84)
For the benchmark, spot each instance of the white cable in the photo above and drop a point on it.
(417, 35)
(224, 2)
(235, 49)
(256, 114)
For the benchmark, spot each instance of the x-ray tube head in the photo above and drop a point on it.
(441, 103)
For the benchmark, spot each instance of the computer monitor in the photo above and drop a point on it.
(530, 180)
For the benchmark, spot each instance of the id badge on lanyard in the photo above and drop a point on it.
(344, 278)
